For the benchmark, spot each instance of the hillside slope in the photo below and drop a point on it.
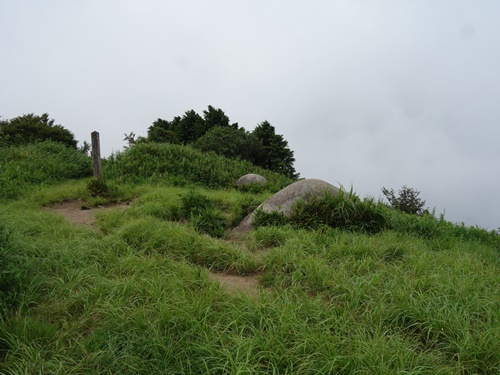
(142, 293)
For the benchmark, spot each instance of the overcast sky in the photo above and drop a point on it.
(367, 93)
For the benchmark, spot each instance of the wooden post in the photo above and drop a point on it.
(96, 155)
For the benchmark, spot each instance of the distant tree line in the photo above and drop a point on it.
(211, 132)
(31, 128)
(214, 132)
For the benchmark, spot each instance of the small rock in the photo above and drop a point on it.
(250, 179)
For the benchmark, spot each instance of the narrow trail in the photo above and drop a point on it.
(73, 212)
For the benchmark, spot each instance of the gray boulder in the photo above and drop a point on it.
(250, 179)
(284, 199)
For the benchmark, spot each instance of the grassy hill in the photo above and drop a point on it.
(143, 293)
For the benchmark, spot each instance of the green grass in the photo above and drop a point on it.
(25, 168)
(420, 296)
(183, 165)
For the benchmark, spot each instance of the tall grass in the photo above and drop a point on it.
(431, 227)
(182, 165)
(138, 299)
(420, 296)
(26, 167)
(344, 210)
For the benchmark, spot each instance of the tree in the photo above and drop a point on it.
(216, 117)
(271, 153)
(190, 127)
(407, 201)
(85, 148)
(183, 130)
(277, 155)
(30, 128)
(162, 131)
(231, 143)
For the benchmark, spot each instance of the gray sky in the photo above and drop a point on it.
(367, 93)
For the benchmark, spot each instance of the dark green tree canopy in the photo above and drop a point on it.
(277, 155)
(162, 131)
(231, 143)
(30, 128)
(191, 127)
(214, 132)
(216, 117)
(188, 128)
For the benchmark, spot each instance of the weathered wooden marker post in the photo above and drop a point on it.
(96, 155)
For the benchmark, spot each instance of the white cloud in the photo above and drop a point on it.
(370, 93)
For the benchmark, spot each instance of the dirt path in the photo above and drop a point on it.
(73, 212)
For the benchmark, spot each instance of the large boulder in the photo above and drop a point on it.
(284, 199)
(250, 179)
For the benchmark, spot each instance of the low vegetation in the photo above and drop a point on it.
(346, 285)
(32, 166)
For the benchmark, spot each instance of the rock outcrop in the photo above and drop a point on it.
(284, 199)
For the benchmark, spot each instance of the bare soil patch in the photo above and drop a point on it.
(77, 213)
(235, 284)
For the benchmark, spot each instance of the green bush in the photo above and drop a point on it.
(201, 212)
(99, 187)
(407, 200)
(194, 203)
(210, 222)
(344, 211)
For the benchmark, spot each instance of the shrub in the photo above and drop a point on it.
(194, 203)
(100, 187)
(210, 222)
(344, 210)
(30, 128)
(201, 212)
(407, 201)
(101, 191)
